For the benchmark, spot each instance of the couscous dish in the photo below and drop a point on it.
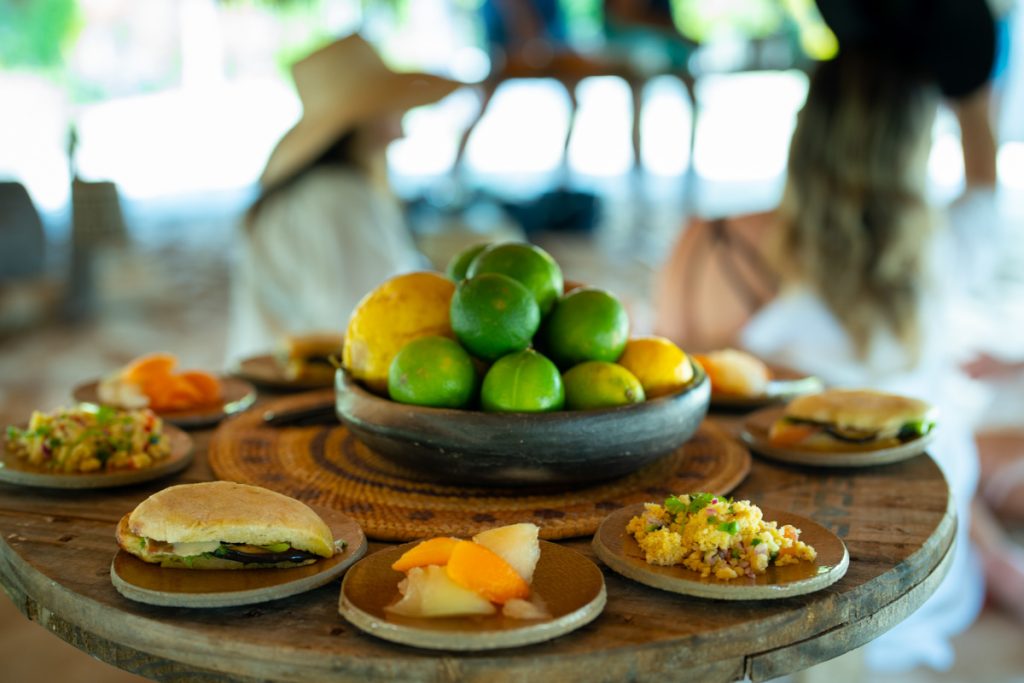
(90, 439)
(715, 535)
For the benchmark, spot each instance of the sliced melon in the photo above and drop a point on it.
(432, 551)
(483, 571)
(517, 544)
(428, 592)
(525, 609)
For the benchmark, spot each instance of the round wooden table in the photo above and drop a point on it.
(898, 522)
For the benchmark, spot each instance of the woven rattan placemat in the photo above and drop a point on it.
(328, 466)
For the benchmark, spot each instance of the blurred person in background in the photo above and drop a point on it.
(863, 299)
(862, 266)
(326, 228)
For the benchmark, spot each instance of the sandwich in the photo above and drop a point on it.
(224, 525)
(851, 419)
(308, 357)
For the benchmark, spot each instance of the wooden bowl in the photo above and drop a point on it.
(522, 449)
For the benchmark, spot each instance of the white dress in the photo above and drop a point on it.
(798, 330)
(987, 227)
(315, 249)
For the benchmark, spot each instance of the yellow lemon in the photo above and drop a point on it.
(401, 309)
(661, 366)
(600, 384)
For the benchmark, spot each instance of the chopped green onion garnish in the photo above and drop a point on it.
(699, 501)
(105, 414)
(674, 505)
(729, 527)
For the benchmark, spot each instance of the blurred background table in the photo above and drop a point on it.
(897, 521)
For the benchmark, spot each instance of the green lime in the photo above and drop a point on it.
(523, 382)
(432, 371)
(459, 264)
(493, 315)
(599, 384)
(526, 263)
(586, 324)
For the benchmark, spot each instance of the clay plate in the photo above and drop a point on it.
(15, 470)
(238, 395)
(154, 585)
(570, 585)
(755, 434)
(785, 385)
(620, 551)
(265, 372)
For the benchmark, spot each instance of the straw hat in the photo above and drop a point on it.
(342, 85)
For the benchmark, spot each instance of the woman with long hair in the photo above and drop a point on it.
(863, 297)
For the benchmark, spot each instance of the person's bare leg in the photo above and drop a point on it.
(977, 137)
(1002, 559)
(1001, 454)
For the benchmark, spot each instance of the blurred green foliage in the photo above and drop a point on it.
(34, 33)
(700, 21)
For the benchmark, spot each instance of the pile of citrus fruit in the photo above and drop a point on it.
(498, 332)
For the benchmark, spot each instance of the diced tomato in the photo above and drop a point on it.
(785, 433)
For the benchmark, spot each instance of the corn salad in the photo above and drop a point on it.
(715, 535)
(90, 439)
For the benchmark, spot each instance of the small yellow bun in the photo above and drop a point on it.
(661, 366)
(735, 372)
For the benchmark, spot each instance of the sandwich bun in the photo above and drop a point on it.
(223, 512)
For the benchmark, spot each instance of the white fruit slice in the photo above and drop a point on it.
(525, 609)
(429, 592)
(517, 544)
(115, 391)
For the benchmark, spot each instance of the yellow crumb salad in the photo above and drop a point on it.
(90, 439)
(715, 535)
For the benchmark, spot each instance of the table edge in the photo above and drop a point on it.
(53, 614)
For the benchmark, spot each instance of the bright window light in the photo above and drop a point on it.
(1010, 165)
(470, 64)
(946, 162)
(33, 138)
(523, 130)
(744, 123)
(601, 143)
(187, 140)
(432, 136)
(665, 127)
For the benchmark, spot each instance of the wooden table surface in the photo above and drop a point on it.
(898, 523)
